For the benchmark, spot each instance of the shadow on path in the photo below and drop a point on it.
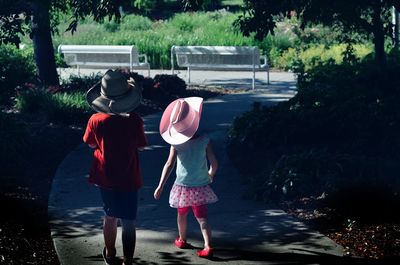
(245, 232)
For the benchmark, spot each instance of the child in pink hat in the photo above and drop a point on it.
(190, 151)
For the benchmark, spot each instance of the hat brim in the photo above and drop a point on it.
(129, 102)
(168, 133)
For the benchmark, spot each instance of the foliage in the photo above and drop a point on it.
(80, 83)
(351, 17)
(156, 38)
(146, 5)
(171, 84)
(14, 142)
(339, 132)
(213, 28)
(59, 107)
(163, 89)
(38, 19)
(195, 5)
(16, 67)
(318, 55)
(67, 104)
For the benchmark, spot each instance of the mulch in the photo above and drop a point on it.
(25, 233)
(369, 238)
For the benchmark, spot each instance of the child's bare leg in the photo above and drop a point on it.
(128, 239)
(206, 231)
(182, 225)
(110, 234)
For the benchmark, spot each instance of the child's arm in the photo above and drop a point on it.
(89, 137)
(213, 162)
(169, 165)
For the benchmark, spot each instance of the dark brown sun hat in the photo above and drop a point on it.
(114, 94)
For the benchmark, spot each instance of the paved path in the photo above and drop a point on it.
(227, 79)
(244, 231)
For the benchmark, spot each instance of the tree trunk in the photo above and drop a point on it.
(379, 36)
(396, 28)
(42, 43)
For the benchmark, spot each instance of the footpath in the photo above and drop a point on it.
(244, 231)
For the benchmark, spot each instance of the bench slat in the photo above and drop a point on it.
(103, 56)
(245, 58)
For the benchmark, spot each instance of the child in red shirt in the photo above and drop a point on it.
(117, 134)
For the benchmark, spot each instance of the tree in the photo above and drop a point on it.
(35, 17)
(370, 17)
(195, 5)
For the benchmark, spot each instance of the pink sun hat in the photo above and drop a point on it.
(181, 119)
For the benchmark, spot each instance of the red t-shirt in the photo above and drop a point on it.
(116, 158)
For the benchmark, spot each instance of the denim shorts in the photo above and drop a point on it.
(119, 204)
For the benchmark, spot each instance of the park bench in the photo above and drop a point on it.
(104, 56)
(238, 58)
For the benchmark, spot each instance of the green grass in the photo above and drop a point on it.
(68, 108)
(155, 38)
(232, 3)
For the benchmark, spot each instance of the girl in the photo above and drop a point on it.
(178, 127)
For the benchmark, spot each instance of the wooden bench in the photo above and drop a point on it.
(238, 58)
(104, 56)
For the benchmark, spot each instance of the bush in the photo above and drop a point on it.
(80, 83)
(319, 55)
(339, 132)
(14, 142)
(163, 89)
(16, 67)
(61, 107)
(67, 104)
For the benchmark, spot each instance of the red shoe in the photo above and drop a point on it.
(205, 253)
(181, 243)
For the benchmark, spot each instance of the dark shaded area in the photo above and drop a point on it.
(336, 142)
(167, 9)
(226, 255)
(24, 231)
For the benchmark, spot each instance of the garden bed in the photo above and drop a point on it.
(379, 239)
(329, 155)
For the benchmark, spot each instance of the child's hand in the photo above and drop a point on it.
(211, 177)
(157, 193)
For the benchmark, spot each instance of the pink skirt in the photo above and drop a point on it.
(182, 196)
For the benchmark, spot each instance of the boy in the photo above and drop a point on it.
(116, 134)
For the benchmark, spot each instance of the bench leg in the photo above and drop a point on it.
(268, 77)
(254, 80)
(188, 79)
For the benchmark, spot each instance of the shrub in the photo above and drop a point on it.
(319, 55)
(164, 89)
(16, 67)
(135, 22)
(80, 83)
(61, 107)
(14, 142)
(339, 132)
(67, 104)
(171, 84)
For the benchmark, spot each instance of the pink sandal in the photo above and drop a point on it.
(205, 253)
(181, 243)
